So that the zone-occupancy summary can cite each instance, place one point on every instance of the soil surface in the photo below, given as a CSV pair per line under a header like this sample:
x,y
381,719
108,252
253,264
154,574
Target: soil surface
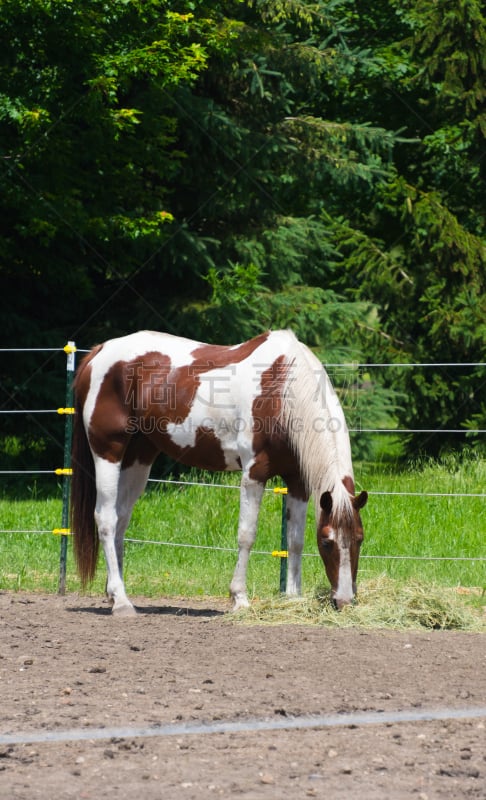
x,y
67,664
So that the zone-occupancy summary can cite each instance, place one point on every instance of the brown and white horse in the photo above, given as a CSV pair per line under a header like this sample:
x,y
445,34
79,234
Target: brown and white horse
x,y
265,407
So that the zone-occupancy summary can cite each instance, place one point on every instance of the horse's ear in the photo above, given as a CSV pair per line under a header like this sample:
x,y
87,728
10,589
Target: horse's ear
x,y
326,502
360,501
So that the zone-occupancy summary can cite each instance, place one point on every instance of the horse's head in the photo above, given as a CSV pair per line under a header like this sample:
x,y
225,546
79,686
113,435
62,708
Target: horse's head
x,y
339,537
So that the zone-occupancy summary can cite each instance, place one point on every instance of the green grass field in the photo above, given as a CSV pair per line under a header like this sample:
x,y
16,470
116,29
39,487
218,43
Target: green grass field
x,y
428,539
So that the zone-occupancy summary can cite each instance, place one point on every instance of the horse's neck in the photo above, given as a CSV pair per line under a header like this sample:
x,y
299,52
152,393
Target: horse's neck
x,y
315,423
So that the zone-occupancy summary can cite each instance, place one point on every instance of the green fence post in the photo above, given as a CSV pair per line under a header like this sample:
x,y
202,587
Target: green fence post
x,y
70,350
282,553
283,545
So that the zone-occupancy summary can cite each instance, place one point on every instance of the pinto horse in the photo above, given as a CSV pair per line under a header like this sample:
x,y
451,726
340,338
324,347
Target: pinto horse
x,y
265,407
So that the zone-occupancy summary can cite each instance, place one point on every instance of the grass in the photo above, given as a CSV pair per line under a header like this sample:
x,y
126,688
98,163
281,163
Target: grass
x,y
448,528
416,528
383,603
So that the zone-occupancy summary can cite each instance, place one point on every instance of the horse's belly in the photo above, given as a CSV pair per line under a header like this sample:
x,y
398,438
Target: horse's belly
x,y
210,443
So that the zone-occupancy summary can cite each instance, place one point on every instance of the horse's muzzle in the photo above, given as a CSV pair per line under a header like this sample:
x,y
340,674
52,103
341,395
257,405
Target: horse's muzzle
x,y
339,604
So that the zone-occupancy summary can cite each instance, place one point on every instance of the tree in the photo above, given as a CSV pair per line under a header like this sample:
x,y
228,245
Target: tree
x,y
87,129
420,254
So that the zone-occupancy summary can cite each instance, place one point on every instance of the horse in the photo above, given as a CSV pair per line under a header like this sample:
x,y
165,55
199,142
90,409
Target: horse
x,y
265,407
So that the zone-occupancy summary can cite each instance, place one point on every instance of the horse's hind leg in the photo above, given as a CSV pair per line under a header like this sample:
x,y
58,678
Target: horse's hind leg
x,y
106,516
133,480
251,493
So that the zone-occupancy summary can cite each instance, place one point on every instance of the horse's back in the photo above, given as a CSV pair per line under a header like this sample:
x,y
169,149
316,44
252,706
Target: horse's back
x,y
196,402
135,350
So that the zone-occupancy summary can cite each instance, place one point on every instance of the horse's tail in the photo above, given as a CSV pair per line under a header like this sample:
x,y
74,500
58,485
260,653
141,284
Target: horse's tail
x,y
83,492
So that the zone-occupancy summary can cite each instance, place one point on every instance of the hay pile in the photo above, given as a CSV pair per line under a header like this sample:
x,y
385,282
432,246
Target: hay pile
x,y
383,603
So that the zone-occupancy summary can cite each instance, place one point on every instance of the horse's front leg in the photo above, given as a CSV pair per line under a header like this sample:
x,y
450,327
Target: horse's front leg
x,y
251,493
106,516
296,517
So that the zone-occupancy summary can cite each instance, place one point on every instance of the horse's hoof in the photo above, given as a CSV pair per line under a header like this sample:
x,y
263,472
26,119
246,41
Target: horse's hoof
x,y
239,603
123,611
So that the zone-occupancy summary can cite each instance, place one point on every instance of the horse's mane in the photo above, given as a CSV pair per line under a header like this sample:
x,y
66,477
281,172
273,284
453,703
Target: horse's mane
x,y
315,424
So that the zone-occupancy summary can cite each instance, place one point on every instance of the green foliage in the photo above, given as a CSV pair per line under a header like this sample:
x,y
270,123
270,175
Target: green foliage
x,y
433,291
449,40
88,130
88,135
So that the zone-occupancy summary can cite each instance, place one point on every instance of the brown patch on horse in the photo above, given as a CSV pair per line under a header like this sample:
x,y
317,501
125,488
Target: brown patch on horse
x,y
326,544
349,484
157,393
211,356
273,455
139,449
136,401
108,431
358,501
207,452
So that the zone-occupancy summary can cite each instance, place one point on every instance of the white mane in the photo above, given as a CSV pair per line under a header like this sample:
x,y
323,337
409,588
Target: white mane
x,y
317,430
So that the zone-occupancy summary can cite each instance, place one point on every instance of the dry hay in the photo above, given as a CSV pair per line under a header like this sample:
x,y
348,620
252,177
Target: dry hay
x,y
382,603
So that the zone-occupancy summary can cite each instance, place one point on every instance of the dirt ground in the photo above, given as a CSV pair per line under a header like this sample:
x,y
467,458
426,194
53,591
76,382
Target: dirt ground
x,y
65,664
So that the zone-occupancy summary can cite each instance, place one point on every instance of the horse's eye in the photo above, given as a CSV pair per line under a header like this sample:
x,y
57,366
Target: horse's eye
x,y
327,543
